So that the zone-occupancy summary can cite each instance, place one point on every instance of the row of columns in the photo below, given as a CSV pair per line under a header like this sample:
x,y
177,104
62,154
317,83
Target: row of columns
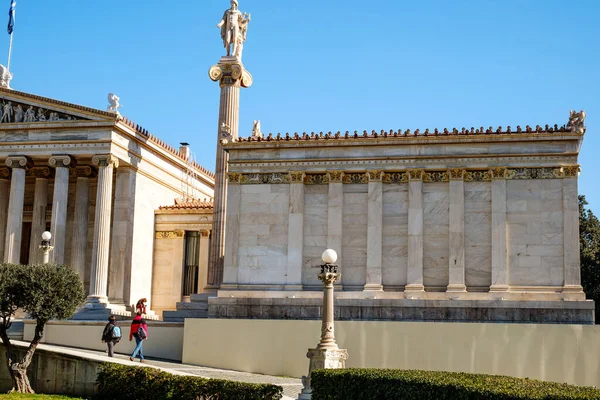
x,y
11,214
456,231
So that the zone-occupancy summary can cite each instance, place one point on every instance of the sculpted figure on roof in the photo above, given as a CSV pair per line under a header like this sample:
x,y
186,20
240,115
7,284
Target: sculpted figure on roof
x,y
233,29
577,121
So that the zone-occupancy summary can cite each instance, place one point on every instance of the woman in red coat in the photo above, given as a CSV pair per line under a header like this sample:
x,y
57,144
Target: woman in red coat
x,y
139,331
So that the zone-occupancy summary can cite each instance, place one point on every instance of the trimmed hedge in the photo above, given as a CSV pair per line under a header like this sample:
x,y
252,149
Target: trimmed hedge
x,y
121,382
383,384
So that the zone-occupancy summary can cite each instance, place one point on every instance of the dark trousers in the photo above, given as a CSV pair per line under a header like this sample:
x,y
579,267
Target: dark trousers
x,y
111,348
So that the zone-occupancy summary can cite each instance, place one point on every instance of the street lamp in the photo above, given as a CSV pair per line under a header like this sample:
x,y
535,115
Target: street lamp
x,y
327,355
45,246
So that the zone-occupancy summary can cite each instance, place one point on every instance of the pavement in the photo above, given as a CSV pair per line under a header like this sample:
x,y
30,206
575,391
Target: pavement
x,y
291,386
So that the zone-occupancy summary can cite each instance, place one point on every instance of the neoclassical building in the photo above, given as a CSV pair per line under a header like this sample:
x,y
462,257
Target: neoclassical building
x,y
97,182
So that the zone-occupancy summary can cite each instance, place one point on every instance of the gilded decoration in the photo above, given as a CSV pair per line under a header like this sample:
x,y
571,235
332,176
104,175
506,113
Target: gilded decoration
x,y
335,176
296,177
456,173
415,174
234,177
375,176
571,171
478,176
268,178
499,172
352,177
534,173
170,234
395,177
317,179
435,176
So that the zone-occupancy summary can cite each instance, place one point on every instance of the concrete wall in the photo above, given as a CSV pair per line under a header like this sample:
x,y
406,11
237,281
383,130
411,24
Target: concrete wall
x,y
165,338
561,353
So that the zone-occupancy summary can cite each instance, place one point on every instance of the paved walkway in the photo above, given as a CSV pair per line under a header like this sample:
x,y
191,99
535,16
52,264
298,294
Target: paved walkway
x,y
291,386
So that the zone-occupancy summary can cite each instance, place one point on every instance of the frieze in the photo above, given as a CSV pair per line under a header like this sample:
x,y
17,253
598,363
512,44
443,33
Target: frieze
x,y
15,112
170,234
335,176
480,175
234,177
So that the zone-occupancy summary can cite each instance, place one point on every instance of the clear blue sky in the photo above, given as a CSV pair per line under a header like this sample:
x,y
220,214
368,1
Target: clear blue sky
x,y
321,65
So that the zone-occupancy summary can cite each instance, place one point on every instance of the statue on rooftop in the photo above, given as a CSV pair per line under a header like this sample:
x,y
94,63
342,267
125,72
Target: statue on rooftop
x,y
113,101
576,121
256,129
233,29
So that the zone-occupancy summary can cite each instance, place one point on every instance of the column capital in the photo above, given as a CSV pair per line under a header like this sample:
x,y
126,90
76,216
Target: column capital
x,y
415,174
375,175
571,171
205,233
104,160
297,177
18,162
229,72
4,173
62,161
234,177
499,172
84,171
456,174
335,176
40,172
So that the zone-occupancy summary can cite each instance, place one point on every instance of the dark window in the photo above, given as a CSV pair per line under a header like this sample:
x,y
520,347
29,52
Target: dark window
x,y
190,269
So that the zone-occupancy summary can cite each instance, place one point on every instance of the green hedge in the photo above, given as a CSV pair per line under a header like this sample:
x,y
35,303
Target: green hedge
x,y
116,382
383,384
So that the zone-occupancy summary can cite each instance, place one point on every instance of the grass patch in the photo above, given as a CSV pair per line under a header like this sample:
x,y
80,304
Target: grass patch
x,y
21,396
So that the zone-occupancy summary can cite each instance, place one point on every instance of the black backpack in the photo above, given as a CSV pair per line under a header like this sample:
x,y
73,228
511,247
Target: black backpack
x,y
141,333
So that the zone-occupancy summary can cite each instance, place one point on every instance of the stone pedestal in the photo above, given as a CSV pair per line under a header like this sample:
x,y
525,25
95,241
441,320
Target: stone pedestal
x,y
321,359
231,75
14,223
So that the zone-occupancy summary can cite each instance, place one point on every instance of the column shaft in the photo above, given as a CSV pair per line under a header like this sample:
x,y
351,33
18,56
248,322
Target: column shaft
x,y
38,220
231,264
572,268
499,242
456,236
58,224
14,223
80,226
414,276
4,194
295,233
374,232
100,247
203,261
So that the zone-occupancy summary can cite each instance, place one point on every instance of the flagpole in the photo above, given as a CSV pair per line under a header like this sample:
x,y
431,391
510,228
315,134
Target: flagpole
x,y
9,52
11,22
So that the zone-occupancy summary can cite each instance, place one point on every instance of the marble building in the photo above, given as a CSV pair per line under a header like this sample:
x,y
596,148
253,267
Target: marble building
x,y
471,224
97,182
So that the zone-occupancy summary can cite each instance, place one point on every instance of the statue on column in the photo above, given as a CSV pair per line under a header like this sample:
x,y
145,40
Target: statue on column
x,y
233,29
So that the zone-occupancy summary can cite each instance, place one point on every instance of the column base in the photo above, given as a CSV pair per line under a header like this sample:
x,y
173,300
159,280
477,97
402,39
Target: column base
x,y
414,287
373,287
456,288
499,288
100,311
573,292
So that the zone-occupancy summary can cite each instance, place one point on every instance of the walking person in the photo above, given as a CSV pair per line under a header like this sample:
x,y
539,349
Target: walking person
x,y
111,335
139,331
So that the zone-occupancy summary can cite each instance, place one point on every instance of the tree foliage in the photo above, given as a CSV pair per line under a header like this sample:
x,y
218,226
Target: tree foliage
x,y
44,292
589,246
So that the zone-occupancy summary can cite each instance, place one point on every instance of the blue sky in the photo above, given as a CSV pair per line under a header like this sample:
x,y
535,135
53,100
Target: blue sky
x,y
321,65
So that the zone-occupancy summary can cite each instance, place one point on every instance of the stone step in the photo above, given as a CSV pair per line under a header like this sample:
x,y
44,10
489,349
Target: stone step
x,y
196,305
201,297
180,315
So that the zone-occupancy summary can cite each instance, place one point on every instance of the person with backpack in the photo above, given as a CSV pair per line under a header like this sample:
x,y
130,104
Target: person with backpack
x,y
111,335
139,331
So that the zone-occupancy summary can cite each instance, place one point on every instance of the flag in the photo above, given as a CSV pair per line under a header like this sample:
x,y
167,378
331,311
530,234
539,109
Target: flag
x,y
11,16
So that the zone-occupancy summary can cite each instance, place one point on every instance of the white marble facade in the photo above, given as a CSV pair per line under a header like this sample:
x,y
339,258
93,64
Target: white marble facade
x,y
94,179
480,216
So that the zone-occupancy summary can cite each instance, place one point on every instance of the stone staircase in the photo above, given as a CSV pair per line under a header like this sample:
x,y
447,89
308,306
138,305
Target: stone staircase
x,y
197,307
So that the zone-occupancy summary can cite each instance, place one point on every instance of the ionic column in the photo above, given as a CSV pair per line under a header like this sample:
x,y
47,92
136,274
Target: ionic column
x,y
80,221
335,220
4,193
14,223
374,231
499,242
295,232
231,265
58,224
38,218
414,275
231,75
572,269
100,246
456,232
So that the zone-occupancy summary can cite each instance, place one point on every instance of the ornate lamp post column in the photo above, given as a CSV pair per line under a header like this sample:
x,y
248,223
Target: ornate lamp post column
x,y
231,75
327,355
45,247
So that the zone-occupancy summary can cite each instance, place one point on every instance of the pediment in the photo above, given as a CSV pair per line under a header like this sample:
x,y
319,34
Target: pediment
x,y
24,108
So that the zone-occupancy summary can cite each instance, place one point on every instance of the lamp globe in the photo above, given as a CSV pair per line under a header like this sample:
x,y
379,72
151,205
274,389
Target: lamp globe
x,y
46,236
329,256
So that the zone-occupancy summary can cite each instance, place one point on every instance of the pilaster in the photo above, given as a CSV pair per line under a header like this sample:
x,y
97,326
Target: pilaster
x,y
14,223
38,218
231,265
58,224
295,232
572,269
499,241
335,209
456,232
99,274
80,222
414,276
4,194
203,260
374,231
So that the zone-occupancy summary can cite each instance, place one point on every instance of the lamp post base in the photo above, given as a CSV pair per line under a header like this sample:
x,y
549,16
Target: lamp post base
x,y
332,358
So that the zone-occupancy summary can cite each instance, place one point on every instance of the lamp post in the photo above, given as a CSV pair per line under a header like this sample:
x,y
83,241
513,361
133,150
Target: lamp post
x,y
327,355
45,246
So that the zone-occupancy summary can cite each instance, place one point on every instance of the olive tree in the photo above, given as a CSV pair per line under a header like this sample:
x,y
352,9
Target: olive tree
x,y
44,292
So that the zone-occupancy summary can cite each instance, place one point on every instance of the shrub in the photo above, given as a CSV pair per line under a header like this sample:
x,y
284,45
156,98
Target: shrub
x,y
116,382
383,384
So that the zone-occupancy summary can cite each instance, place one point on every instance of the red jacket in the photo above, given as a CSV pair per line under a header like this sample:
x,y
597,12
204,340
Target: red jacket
x,y
135,324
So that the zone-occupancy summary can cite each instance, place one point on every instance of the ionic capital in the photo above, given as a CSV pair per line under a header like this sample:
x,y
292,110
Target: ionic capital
x,y
84,171
40,172
415,174
18,162
104,160
297,177
375,176
335,176
456,174
4,173
62,161
499,172
230,74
